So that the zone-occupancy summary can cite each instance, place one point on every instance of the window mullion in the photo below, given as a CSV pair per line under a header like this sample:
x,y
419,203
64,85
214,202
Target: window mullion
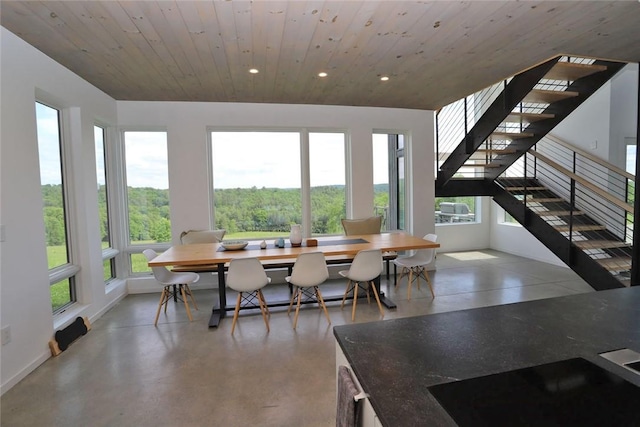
x,y
305,183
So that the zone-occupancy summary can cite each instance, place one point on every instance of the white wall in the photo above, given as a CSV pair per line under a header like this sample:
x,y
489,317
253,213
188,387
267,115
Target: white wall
x,y
516,240
27,75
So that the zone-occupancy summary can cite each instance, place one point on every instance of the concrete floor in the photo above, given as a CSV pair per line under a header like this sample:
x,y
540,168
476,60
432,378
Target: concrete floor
x,y
126,372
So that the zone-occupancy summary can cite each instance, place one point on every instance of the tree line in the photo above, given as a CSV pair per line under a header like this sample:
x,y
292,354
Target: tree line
x,y
236,210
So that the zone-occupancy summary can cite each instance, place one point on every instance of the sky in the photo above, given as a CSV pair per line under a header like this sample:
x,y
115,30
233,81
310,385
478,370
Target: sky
x,y
631,158
48,145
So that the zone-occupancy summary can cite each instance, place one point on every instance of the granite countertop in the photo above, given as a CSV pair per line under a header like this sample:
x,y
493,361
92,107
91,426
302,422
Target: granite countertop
x,y
396,360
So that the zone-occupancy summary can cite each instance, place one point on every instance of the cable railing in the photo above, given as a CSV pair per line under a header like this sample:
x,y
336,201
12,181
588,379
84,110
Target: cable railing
x,y
455,120
589,201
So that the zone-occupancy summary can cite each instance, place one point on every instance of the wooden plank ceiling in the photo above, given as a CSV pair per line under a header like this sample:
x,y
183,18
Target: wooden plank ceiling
x,y
432,52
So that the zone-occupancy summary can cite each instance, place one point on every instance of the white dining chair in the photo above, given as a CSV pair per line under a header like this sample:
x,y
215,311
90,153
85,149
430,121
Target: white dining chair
x,y
366,266
247,277
415,266
173,283
309,271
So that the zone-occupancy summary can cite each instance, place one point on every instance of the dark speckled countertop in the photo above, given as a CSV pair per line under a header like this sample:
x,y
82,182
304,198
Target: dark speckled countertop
x,y
396,360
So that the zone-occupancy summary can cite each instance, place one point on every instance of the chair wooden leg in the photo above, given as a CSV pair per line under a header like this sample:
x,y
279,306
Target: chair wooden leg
x,y
409,284
191,296
263,308
324,306
186,303
168,295
162,301
355,301
346,292
235,313
375,293
291,301
295,318
426,275
403,273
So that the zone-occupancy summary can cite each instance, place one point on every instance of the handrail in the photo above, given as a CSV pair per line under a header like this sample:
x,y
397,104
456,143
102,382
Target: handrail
x,y
590,156
583,182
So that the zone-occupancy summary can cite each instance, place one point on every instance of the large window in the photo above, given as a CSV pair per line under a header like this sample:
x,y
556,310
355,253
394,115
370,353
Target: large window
x,y
389,180
56,221
147,183
108,254
454,210
265,181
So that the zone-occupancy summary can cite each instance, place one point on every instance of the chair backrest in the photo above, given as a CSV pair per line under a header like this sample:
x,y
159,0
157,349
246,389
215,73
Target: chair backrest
x,y
246,274
369,225
202,236
310,269
366,266
162,274
426,256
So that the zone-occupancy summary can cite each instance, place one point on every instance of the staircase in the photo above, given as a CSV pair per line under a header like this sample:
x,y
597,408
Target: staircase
x,y
486,147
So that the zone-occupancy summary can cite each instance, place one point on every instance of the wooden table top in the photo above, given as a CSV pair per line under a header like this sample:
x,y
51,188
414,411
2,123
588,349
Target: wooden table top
x,y
210,253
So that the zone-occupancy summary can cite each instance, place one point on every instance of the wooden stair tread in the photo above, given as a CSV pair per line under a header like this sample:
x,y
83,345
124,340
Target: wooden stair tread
x,y
497,151
544,199
581,227
516,117
570,71
548,96
481,165
525,188
613,264
510,135
558,213
600,244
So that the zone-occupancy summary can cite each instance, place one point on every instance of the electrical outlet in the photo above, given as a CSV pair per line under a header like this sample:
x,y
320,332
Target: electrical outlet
x,y
6,335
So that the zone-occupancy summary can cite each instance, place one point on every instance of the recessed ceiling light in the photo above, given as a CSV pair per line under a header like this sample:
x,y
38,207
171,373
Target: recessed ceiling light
x,y
384,78
323,74
254,71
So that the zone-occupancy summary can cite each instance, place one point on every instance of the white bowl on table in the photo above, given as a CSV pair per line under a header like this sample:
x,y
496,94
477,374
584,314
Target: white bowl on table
x,y
234,245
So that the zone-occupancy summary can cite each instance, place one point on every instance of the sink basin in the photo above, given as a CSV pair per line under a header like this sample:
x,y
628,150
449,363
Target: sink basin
x,y
624,357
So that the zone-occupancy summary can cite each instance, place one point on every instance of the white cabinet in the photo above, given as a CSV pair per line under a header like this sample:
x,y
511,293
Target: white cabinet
x,y
368,417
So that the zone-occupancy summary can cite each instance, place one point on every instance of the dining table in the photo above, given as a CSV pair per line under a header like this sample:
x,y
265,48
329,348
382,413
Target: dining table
x,y
213,257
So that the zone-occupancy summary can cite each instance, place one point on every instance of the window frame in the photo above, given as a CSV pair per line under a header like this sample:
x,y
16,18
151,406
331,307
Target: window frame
x,y
109,253
130,250
396,155
69,270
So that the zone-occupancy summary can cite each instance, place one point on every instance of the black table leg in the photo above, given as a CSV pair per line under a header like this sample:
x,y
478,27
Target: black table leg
x,y
218,313
383,298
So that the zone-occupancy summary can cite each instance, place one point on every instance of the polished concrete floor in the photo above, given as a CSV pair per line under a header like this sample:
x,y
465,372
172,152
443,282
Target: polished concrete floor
x,y
126,372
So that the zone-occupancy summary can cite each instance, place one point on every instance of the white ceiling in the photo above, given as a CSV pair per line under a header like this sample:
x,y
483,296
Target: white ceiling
x,y
433,52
